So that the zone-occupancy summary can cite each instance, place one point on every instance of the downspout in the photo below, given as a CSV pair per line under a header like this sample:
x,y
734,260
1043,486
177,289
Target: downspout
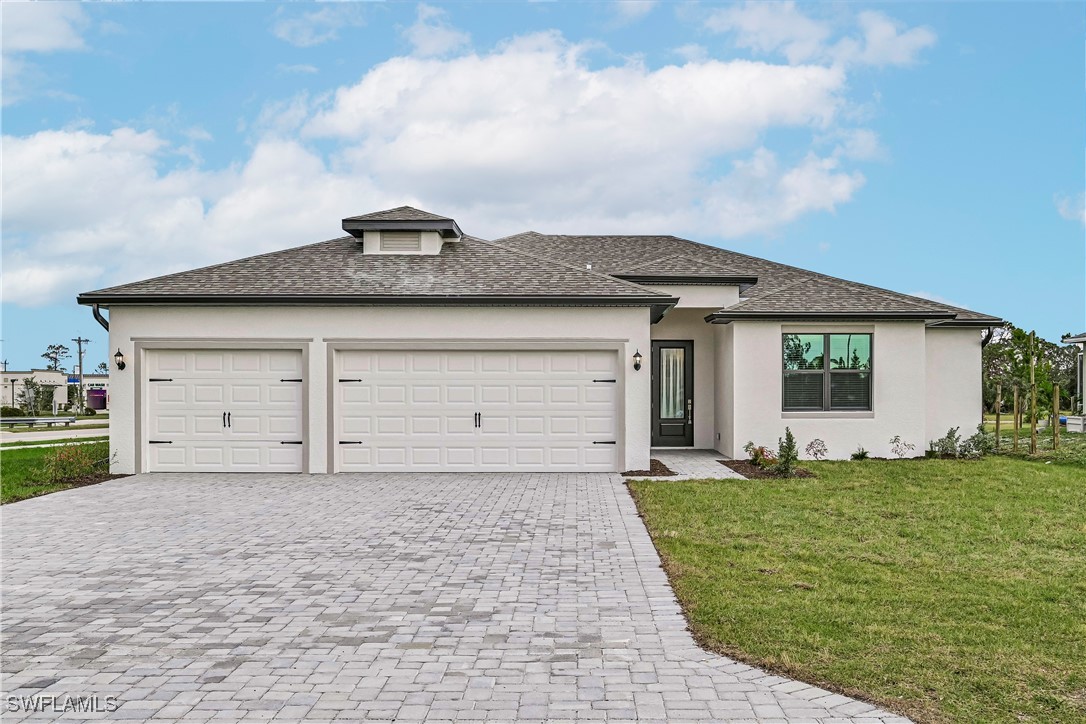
x,y
988,334
99,318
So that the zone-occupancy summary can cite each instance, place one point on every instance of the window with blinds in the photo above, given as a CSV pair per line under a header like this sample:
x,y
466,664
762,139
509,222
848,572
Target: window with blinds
x,y
826,372
401,241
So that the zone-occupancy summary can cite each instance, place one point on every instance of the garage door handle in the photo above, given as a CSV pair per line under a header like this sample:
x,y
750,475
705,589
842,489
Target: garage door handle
x,y
350,442
160,379
229,421
290,442
224,419
604,380
160,442
291,380
343,380
603,442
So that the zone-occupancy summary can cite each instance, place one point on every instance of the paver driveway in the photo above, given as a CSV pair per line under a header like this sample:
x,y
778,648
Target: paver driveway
x,y
364,596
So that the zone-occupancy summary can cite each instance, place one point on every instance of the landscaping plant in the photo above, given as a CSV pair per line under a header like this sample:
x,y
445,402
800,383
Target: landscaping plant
x,y
760,455
787,455
860,454
817,450
899,447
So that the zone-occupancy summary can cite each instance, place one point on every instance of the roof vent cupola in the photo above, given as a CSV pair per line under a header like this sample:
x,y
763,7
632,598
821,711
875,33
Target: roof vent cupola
x,y
403,230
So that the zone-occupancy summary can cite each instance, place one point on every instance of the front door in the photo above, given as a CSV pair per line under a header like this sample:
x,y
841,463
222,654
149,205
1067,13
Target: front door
x,y
672,394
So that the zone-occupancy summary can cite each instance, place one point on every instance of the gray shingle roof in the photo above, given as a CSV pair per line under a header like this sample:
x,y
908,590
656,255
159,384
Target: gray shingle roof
x,y
780,289
400,213
338,269
679,265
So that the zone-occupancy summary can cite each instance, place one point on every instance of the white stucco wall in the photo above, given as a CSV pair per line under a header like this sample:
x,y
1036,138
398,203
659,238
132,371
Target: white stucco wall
x,y
954,394
899,394
689,324
317,328
709,297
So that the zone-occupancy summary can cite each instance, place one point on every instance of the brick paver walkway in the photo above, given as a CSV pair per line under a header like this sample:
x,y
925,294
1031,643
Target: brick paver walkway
x,y
350,597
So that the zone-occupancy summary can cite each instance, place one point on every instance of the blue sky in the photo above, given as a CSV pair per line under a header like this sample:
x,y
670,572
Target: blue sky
x,y
931,148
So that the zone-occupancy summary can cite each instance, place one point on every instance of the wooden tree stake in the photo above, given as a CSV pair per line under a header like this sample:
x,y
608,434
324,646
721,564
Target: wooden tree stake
x,y
1014,420
999,405
1032,395
1055,417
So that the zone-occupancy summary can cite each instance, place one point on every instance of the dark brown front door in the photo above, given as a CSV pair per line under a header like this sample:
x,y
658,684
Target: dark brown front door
x,y
673,393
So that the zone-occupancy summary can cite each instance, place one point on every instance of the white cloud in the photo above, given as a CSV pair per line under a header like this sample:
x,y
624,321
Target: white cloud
x,y
781,27
768,27
1072,208
692,52
631,10
316,26
431,35
297,68
42,27
526,136
36,28
98,210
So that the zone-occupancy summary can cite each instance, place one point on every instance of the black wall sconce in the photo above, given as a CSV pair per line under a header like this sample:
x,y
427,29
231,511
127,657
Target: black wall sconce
x,y
637,360
119,359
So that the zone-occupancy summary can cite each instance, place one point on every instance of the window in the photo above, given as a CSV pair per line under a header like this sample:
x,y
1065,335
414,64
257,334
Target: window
x,y
827,372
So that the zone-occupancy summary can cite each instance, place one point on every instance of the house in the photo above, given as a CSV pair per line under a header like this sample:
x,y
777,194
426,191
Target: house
x,y
54,383
410,345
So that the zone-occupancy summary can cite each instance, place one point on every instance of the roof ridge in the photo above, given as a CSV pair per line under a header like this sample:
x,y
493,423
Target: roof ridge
x,y
773,293
221,263
601,275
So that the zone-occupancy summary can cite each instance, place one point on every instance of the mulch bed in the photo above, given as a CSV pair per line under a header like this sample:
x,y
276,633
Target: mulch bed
x,y
749,470
656,470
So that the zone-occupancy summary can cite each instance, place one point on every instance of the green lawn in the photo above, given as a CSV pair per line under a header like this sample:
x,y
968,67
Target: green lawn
x,y
38,443
21,476
946,590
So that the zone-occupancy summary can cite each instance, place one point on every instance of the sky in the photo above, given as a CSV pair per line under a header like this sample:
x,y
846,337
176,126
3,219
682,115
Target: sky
x,y
931,148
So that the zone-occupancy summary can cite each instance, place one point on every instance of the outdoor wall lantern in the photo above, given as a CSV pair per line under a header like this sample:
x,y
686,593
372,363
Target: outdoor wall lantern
x,y
637,360
119,359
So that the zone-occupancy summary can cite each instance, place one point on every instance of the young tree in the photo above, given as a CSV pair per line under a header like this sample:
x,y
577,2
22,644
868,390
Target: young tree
x,y
54,354
1006,361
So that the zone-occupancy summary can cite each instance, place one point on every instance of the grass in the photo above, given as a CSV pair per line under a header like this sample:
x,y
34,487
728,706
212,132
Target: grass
x,y
946,590
22,475
23,428
38,443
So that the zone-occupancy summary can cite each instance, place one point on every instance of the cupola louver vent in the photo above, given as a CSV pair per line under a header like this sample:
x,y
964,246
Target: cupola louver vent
x,y
401,241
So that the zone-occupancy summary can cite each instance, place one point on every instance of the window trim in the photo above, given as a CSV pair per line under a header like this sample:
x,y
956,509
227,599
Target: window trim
x,y
827,371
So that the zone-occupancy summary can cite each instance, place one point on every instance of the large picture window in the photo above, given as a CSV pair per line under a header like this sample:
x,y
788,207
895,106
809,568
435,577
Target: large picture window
x,y
827,372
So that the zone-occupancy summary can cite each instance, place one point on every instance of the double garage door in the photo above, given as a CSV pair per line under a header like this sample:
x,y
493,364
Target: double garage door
x,y
392,410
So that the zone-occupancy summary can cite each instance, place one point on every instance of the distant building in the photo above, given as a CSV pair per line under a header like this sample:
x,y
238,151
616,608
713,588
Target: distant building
x,y
12,386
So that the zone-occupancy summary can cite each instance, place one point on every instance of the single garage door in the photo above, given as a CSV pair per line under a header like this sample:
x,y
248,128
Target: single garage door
x,y
224,410
484,410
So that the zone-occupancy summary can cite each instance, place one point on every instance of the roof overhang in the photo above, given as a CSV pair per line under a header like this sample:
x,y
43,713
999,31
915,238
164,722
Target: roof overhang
x,y
446,227
1074,339
726,317
659,305
975,323
743,282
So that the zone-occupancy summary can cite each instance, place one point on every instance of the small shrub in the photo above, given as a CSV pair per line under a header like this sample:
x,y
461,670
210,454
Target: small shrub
x,y
816,449
899,447
66,462
977,445
787,455
760,455
90,411
860,454
6,411
949,445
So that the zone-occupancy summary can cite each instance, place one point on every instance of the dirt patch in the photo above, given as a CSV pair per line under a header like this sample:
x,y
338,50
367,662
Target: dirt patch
x,y
749,470
656,470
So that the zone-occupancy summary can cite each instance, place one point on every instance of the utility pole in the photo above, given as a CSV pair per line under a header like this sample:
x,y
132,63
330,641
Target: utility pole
x,y
79,345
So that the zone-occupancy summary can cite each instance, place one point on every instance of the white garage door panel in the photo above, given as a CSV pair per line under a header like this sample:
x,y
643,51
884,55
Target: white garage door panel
x,y
189,391
539,410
